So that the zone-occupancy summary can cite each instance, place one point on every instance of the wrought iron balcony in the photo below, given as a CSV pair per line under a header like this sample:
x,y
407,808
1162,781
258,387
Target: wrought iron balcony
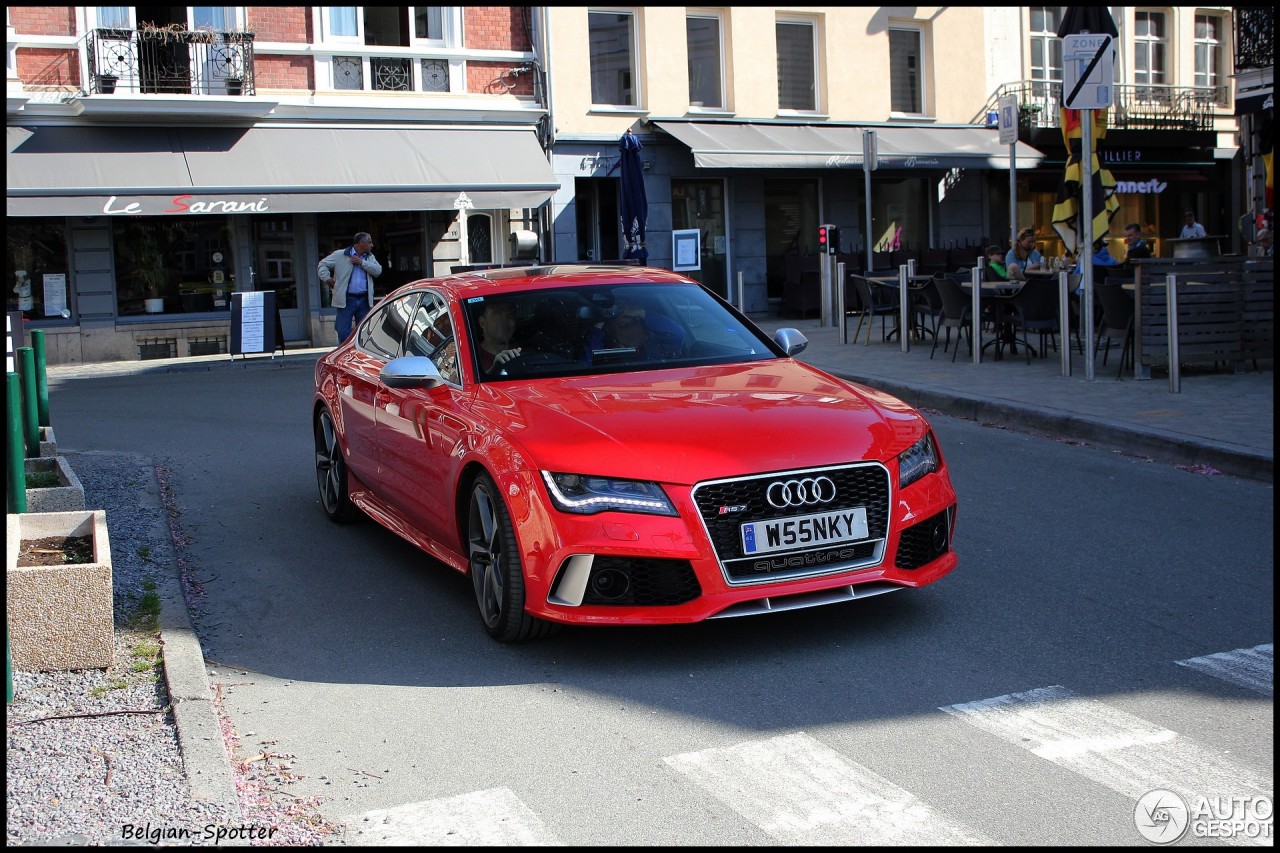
x,y
1135,107
165,60
1255,31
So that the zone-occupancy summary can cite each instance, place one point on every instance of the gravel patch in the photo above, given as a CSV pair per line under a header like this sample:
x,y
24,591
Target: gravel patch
x,y
93,756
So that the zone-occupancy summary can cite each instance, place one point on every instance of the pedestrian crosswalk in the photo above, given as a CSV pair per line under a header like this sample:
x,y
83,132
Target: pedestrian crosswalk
x,y
1251,668
797,790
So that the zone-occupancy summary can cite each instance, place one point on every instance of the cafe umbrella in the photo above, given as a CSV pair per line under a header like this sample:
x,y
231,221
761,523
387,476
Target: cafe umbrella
x,y
634,203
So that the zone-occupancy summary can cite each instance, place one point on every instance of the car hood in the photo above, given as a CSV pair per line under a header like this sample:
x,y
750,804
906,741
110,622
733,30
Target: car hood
x,y
691,424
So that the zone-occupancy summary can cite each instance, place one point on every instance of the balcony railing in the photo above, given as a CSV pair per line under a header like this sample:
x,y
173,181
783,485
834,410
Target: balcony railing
x,y
1255,31
169,61
1134,107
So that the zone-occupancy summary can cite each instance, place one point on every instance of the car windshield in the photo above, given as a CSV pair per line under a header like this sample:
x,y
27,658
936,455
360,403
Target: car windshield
x,y
610,328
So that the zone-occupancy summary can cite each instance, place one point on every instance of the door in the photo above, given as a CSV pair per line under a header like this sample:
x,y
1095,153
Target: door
x,y
274,268
700,204
790,227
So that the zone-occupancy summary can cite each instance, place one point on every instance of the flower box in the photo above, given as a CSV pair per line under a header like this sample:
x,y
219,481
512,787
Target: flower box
x,y
66,496
48,443
59,616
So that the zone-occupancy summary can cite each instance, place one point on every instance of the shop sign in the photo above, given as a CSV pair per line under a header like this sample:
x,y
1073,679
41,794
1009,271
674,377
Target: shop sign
x,y
181,204
1152,187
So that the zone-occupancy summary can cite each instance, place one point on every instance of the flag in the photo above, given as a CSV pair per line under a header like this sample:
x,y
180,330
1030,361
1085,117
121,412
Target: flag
x,y
1066,210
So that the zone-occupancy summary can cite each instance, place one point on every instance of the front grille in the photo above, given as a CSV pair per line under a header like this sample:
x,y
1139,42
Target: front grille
x,y
925,542
863,485
641,582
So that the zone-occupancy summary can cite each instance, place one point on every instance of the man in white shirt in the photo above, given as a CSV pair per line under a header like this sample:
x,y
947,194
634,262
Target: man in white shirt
x,y
1190,227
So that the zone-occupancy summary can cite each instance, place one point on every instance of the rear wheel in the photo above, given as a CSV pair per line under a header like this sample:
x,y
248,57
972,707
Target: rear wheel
x,y
497,573
331,472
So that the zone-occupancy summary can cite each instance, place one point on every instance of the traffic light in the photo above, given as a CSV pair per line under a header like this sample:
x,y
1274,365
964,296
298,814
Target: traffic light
x,y
828,240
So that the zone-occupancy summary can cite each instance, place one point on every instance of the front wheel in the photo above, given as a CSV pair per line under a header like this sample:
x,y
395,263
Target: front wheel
x,y
497,573
331,472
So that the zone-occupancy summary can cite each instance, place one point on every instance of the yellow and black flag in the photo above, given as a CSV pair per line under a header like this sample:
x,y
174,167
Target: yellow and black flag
x,y
1066,210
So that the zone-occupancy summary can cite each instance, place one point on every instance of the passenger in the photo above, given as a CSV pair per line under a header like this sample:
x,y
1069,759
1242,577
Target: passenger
x,y
497,323
626,329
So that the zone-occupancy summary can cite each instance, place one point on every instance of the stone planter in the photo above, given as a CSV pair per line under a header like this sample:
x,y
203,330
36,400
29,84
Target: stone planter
x,y
48,443
60,617
66,496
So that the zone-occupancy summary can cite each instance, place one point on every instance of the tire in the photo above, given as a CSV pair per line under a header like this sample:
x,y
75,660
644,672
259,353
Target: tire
x,y
331,472
497,574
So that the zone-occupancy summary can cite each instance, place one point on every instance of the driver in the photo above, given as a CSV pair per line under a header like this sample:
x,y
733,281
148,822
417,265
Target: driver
x,y
497,324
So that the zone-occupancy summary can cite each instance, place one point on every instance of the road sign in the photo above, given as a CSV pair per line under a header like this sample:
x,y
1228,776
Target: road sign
x,y
1008,120
1088,71
870,151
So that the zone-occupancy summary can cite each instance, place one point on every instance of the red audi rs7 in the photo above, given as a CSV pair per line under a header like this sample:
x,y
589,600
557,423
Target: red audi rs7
x,y
607,445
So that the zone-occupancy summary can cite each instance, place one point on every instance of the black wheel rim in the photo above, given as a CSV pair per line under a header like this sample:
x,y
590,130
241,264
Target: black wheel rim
x,y
330,471
486,556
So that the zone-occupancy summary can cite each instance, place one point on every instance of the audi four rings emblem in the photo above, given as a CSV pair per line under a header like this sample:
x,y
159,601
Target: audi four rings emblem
x,y
796,493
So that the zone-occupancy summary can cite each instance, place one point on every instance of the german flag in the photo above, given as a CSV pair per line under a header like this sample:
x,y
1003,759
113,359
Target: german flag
x,y
1066,210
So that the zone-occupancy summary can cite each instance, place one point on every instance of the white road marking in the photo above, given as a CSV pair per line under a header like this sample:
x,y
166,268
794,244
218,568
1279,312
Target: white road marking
x,y
1253,669
801,792
495,817
1125,753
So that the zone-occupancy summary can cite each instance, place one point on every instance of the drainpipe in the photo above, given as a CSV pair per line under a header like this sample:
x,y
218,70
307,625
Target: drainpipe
x,y
542,55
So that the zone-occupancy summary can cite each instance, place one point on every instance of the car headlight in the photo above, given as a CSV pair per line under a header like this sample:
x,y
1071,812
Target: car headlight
x,y
917,460
584,494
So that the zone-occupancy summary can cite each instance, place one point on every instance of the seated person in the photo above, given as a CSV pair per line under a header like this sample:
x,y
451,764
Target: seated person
x,y
1024,257
629,327
995,269
1104,264
1137,247
497,324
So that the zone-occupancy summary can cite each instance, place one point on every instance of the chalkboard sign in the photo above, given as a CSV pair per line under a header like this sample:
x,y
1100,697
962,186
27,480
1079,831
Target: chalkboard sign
x,y
255,323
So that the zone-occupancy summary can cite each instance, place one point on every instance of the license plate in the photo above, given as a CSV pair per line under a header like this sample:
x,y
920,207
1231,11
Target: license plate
x,y
822,528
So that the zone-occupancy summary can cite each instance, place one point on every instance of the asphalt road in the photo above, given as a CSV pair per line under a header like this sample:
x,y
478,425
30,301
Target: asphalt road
x,y
1085,577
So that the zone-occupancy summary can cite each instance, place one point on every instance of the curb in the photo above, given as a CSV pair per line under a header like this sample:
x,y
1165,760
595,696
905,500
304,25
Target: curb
x,y
1157,444
204,754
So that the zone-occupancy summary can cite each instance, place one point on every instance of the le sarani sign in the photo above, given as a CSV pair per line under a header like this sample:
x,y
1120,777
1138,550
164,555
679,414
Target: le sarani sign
x,y
183,204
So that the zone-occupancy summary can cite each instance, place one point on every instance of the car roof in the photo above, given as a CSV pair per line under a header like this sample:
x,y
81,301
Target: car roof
x,y
546,276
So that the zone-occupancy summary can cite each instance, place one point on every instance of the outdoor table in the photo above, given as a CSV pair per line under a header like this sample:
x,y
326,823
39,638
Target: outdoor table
x,y
914,283
998,294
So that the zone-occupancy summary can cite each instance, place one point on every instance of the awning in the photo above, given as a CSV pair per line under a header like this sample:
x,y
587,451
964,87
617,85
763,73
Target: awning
x,y
727,145
91,171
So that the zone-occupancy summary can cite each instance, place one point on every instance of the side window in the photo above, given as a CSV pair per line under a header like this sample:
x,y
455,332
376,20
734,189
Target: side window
x,y
383,331
431,335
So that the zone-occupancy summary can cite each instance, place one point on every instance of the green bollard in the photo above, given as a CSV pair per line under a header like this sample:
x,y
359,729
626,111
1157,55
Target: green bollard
x,y
42,377
17,478
30,426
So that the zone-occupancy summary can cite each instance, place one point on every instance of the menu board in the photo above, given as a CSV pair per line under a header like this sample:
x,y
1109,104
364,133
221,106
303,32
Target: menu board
x,y
255,323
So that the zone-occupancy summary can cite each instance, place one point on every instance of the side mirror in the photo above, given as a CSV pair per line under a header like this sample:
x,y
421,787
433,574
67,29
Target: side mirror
x,y
412,371
791,340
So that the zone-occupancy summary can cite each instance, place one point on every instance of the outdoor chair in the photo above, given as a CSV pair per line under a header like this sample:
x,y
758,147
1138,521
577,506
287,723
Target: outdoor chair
x,y
1035,309
871,306
1117,322
957,313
